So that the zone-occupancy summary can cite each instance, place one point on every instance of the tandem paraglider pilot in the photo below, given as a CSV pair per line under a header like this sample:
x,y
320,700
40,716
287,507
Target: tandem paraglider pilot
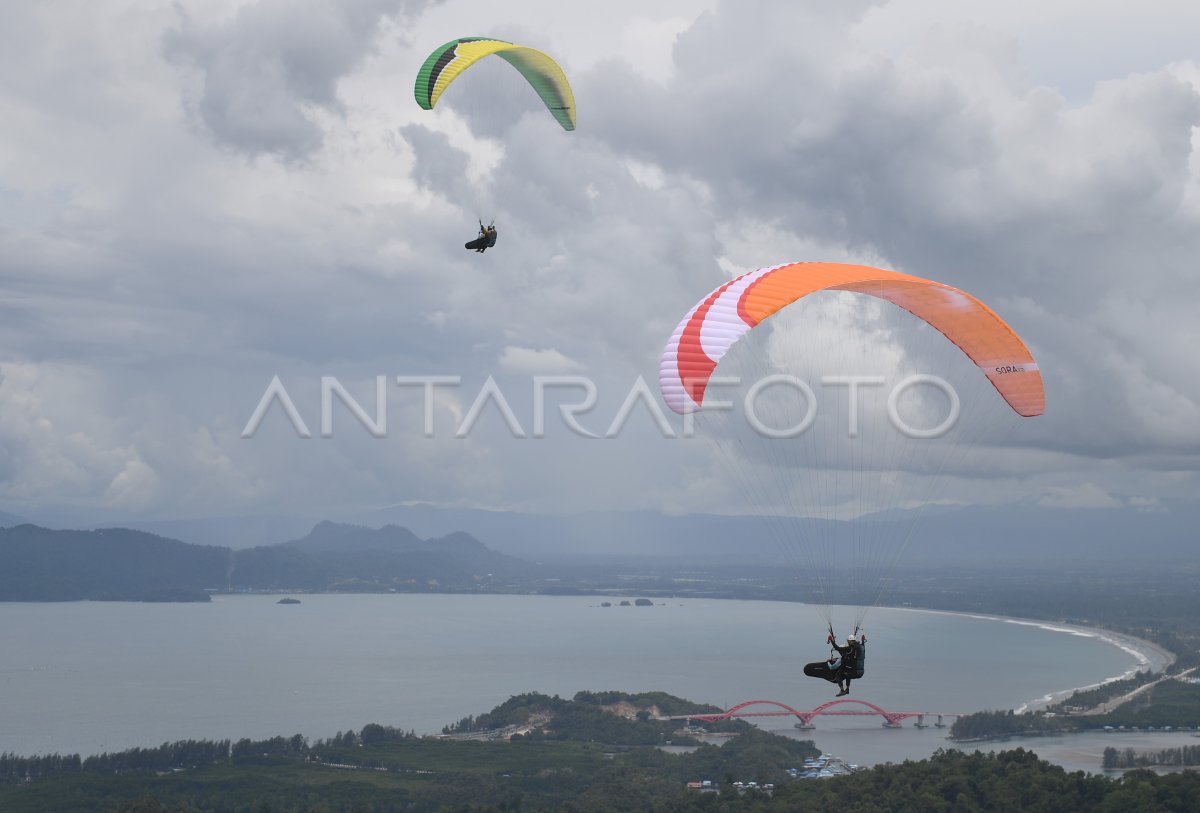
x,y
846,663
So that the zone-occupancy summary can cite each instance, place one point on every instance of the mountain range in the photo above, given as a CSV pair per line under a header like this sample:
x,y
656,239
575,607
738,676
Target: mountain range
x,y
41,564
1009,534
428,547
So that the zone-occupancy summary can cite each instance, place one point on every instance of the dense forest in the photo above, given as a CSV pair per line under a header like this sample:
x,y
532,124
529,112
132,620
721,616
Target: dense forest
x,y
414,774
578,753
592,754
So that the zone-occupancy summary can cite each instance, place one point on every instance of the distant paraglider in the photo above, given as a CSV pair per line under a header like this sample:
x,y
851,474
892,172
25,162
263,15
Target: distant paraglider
x,y
448,61
486,238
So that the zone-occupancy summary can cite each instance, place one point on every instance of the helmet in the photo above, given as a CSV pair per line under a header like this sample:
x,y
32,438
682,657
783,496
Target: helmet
x,y
850,639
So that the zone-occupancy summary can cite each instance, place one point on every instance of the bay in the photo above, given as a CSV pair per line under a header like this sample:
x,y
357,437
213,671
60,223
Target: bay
x,y
89,677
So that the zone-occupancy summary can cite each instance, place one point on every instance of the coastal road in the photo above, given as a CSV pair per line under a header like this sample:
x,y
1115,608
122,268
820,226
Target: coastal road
x,y
1116,702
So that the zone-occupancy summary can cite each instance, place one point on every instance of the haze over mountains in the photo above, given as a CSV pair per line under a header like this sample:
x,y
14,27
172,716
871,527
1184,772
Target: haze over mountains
x,y
315,549
40,564
940,534
8,520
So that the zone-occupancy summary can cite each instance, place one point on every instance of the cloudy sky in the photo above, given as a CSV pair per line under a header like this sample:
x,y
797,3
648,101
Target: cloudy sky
x,y
197,197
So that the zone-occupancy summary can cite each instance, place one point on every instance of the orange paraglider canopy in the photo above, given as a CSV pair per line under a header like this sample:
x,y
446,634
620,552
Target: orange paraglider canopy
x,y
729,312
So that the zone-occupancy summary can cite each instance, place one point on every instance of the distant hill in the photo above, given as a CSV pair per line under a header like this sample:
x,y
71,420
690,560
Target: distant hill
x,y
39,564
1013,534
230,532
326,537
346,557
8,520
419,544
330,537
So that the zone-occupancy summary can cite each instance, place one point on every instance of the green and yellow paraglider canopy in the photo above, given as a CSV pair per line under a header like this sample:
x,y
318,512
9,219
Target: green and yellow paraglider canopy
x,y
445,64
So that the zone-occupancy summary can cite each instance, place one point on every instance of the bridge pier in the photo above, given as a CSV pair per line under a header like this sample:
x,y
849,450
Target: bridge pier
x,y
939,723
920,723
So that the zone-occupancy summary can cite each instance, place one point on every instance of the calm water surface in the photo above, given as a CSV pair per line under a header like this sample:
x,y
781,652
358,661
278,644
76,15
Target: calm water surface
x,y
94,676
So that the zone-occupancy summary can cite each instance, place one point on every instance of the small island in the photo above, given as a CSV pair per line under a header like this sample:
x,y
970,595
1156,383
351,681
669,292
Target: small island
x,y
288,600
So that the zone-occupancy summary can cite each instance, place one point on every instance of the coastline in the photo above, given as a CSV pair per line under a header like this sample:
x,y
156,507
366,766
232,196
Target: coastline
x,y
264,644
1148,654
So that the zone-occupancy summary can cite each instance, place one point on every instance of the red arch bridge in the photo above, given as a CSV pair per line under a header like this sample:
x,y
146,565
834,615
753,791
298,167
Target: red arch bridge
x,y
847,707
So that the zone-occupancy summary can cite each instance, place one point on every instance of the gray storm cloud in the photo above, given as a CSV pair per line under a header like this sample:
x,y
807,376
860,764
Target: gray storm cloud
x,y
265,69
199,200
1059,215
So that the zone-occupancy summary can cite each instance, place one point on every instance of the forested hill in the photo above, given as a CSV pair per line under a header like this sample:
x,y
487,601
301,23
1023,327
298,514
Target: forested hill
x,y
331,538
355,558
39,564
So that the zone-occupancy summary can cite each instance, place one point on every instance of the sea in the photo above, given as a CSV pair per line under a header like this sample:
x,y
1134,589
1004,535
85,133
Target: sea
x,y
91,677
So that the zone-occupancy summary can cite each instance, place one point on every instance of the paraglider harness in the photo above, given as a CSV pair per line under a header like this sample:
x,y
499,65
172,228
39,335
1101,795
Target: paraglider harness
x,y
486,238
836,669
855,669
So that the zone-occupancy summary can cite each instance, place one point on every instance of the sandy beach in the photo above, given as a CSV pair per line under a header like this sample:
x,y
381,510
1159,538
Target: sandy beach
x,y
1147,654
